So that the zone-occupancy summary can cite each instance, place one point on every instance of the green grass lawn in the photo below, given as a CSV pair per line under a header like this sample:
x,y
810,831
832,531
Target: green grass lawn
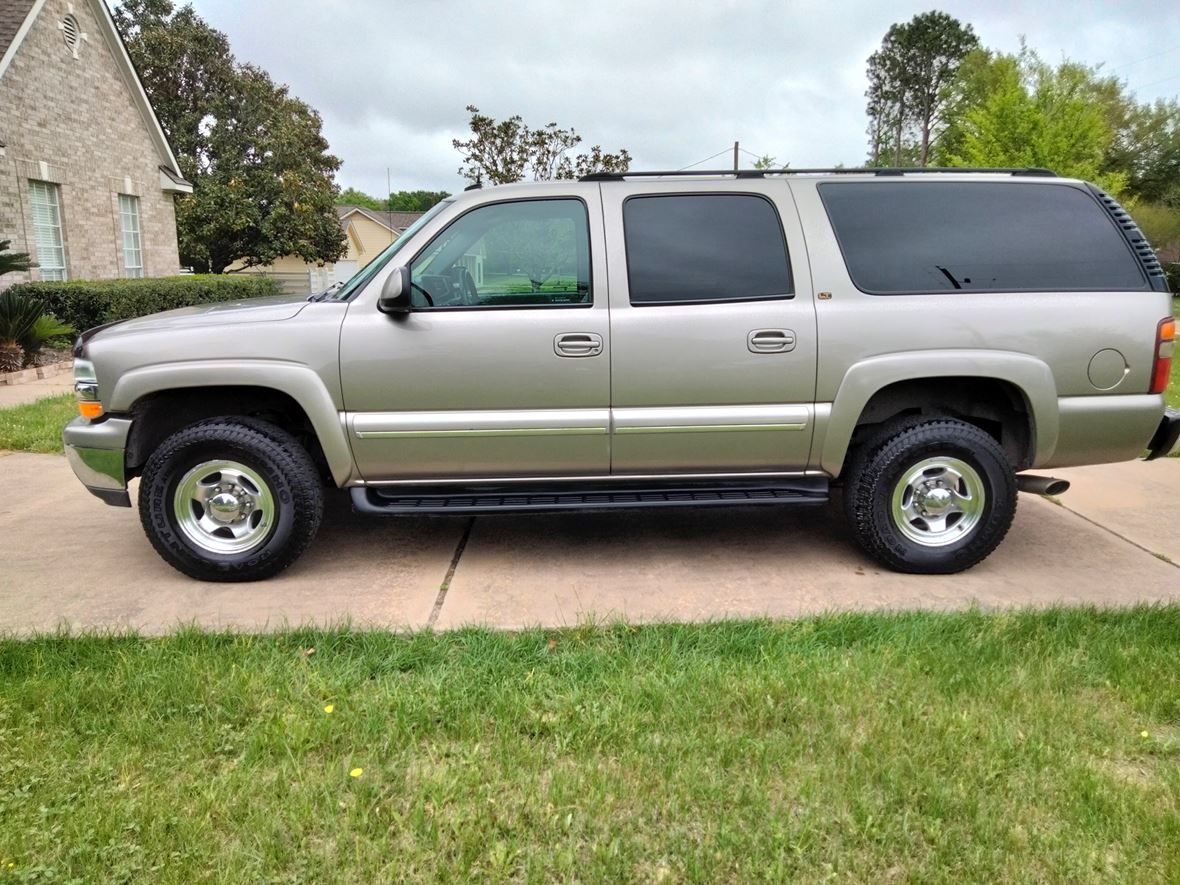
x,y
37,426
921,747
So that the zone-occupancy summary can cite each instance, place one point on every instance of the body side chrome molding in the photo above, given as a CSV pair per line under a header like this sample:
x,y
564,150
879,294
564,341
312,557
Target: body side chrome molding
x,y
603,478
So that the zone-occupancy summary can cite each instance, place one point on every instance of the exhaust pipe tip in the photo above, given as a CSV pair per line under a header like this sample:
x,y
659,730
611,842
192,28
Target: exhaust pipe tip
x,y
1042,485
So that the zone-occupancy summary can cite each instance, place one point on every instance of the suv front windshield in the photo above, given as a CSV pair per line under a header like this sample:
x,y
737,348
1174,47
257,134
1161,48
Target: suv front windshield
x,y
357,281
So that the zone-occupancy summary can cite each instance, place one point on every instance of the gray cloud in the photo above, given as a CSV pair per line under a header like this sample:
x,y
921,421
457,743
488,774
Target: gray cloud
x,y
672,82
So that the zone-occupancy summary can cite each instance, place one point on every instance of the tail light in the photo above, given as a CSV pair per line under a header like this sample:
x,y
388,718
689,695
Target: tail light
x,y
1165,343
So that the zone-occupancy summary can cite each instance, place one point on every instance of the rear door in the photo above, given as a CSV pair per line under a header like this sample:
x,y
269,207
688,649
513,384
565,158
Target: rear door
x,y
712,326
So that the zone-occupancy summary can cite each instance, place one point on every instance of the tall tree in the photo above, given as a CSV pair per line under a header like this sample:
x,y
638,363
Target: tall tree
x,y
504,151
1029,113
414,201
399,201
908,80
263,180
350,196
1146,146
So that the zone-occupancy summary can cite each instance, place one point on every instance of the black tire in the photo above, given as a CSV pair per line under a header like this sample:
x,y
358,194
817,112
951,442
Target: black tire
x,y
291,484
967,537
858,457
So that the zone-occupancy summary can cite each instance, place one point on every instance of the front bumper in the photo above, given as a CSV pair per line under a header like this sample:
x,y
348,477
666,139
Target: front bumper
x,y
1167,436
95,450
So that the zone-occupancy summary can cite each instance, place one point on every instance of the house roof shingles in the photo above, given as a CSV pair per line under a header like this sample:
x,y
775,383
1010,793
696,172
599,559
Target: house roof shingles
x,y
397,221
12,15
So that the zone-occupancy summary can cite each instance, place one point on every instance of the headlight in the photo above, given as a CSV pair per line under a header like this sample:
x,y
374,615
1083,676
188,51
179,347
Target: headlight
x,y
86,389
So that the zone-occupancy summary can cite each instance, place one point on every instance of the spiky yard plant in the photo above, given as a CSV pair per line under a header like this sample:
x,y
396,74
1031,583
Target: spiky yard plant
x,y
44,328
11,262
18,316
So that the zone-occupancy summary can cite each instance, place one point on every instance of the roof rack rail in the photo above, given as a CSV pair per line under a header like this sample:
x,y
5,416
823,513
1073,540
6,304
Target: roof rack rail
x,y
872,170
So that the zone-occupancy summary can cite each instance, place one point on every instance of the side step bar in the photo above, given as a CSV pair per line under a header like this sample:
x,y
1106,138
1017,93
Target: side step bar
x,y
404,502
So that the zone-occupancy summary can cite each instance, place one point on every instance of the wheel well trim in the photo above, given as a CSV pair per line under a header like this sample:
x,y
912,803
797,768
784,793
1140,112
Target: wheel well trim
x,y
1030,376
297,381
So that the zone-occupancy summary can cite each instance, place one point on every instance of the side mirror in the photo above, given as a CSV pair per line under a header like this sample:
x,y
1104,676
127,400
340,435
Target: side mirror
x,y
395,294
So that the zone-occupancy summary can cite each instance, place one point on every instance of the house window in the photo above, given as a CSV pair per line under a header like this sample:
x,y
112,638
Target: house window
x,y
45,200
132,245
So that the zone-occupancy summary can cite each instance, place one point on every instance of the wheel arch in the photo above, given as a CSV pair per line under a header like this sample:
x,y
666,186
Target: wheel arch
x,y
161,400
1012,396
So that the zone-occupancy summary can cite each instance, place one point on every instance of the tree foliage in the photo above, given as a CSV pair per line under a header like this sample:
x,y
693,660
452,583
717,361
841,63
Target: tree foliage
x,y
908,81
350,196
414,201
508,150
1146,146
1016,110
399,201
263,180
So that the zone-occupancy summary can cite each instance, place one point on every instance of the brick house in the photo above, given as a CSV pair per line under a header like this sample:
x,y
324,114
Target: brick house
x,y
87,178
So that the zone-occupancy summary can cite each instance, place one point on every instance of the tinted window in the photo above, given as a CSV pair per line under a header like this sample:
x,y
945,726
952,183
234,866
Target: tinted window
x,y
704,247
982,236
529,253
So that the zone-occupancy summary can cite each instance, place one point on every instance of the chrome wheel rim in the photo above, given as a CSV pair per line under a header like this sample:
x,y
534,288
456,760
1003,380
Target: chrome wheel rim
x,y
223,507
938,501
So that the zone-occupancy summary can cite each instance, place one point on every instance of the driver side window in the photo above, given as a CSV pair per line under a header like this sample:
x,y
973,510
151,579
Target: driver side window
x,y
531,253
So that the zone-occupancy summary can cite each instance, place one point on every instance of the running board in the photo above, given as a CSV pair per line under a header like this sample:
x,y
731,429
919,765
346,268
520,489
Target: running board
x,y
402,502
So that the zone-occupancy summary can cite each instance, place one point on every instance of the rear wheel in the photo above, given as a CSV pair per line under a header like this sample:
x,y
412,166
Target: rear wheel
x,y
934,498
230,499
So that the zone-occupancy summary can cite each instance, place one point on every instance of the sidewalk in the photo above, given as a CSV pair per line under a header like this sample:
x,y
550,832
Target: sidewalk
x,y
30,391
68,559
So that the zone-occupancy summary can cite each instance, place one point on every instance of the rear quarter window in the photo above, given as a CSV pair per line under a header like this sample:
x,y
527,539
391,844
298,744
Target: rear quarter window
x,y
934,237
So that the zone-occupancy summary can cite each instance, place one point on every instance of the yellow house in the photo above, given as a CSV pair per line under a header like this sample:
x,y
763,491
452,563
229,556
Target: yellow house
x,y
367,232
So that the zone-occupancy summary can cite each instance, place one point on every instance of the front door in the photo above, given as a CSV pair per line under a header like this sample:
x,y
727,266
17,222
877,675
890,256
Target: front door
x,y
713,332
502,369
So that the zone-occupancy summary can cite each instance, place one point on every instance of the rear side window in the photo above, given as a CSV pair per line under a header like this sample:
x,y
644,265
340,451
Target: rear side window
x,y
925,237
693,248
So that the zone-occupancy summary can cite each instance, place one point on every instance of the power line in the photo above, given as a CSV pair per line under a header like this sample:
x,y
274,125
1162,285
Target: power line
x,y
706,160
1145,58
1154,82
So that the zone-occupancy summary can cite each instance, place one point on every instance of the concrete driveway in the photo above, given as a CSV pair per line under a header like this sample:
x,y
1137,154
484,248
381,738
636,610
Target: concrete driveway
x,y
67,559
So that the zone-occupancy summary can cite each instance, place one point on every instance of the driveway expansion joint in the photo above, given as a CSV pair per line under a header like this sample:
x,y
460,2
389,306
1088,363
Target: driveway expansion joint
x,y
1160,556
446,583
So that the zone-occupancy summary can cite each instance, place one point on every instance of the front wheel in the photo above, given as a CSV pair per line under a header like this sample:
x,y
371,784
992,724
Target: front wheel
x,y
936,498
230,499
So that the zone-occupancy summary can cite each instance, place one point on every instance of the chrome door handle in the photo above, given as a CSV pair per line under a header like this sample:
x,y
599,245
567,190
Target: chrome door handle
x,y
577,344
770,341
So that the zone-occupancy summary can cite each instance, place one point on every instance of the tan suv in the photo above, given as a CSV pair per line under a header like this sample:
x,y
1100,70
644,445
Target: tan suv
x,y
919,337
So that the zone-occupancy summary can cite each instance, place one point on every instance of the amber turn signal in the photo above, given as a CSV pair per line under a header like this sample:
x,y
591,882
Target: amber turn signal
x,y
90,410
1165,342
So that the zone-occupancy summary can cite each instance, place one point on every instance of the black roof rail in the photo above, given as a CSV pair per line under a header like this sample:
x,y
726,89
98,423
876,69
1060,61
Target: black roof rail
x,y
872,170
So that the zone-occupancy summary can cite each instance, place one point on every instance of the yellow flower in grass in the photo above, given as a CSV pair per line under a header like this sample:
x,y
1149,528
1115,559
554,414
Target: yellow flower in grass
x,y
356,772
329,708
1144,734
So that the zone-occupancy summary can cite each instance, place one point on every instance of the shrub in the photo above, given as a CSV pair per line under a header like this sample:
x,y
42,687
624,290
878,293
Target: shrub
x,y
1172,273
18,315
46,328
85,304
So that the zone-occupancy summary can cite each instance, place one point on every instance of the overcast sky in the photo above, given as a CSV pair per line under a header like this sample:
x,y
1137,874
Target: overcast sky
x,y
673,82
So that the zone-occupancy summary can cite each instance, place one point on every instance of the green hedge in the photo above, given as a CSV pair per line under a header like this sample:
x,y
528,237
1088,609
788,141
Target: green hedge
x,y
88,303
